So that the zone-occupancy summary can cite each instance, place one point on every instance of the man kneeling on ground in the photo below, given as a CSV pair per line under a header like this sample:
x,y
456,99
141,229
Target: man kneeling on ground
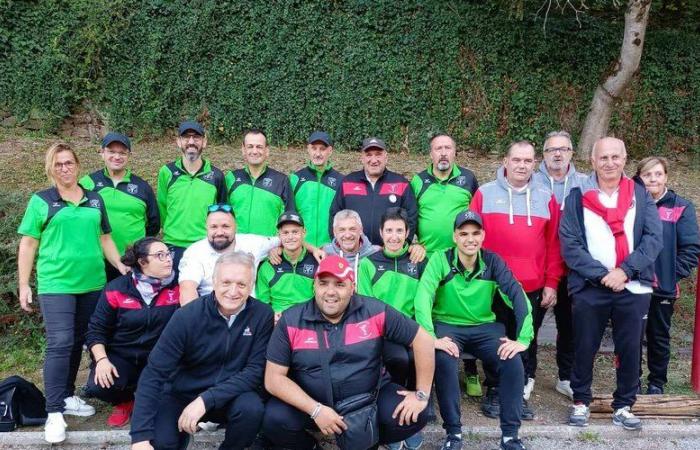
x,y
212,352
328,350
457,291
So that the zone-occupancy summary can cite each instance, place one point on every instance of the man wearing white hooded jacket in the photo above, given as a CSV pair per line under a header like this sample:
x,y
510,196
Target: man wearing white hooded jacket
x,y
521,220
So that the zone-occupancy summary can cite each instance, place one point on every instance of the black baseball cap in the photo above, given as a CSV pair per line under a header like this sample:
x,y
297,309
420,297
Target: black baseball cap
x,y
321,136
290,217
372,142
116,137
468,216
190,125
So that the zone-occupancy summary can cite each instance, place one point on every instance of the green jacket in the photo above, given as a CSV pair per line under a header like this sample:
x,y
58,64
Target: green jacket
x,y
392,278
183,200
258,202
287,283
131,206
439,202
313,192
449,294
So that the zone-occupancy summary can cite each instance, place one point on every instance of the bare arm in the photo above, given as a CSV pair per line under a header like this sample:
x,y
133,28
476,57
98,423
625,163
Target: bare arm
x,y
424,354
111,253
188,292
25,260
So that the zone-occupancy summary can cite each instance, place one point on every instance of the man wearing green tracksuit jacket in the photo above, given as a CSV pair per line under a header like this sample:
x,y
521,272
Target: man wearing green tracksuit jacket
x,y
186,188
292,280
455,303
442,191
257,192
390,276
314,188
129,199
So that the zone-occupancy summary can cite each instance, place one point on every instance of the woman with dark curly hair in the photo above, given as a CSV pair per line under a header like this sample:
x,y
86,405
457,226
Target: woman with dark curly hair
x,y
128,320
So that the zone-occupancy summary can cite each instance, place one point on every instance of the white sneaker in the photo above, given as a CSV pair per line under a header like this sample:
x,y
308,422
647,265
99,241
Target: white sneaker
x,y
208,426
564,388
529,387
55,428
76,406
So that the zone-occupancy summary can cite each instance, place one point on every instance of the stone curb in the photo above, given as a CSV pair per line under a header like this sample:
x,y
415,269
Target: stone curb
x,y
121,437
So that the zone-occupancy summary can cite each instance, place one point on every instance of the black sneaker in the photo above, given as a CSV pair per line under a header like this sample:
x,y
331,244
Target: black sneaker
x,y
513,444
452,442
653,389
490,405
527,413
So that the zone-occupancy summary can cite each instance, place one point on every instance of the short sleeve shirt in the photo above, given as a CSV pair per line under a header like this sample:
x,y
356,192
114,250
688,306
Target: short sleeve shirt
x,y
198,261
69,258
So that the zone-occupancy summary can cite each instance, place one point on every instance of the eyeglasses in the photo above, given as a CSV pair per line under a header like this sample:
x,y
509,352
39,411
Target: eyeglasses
x,y
163,256
68,165
557,149
224,207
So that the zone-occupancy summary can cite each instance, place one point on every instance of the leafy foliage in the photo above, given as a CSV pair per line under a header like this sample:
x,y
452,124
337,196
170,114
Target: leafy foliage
x,y
402,70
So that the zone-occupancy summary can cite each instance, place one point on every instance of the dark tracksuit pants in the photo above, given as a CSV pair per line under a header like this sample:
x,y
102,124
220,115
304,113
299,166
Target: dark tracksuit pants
x,y
482,341
242,417
565,331
658,334
592,308
124,385
538,313
285,426
66,318
178,252
398,361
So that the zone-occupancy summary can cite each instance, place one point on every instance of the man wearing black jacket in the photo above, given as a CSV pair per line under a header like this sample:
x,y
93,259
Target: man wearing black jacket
x,y
213,354
372,190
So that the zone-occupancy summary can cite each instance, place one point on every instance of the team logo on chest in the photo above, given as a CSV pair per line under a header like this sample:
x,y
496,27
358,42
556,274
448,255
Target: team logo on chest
x,y
307,269
99,184
267,182
56,205
393,198
381,268
94,203
461,180
412,269
208,176
132,188
331,181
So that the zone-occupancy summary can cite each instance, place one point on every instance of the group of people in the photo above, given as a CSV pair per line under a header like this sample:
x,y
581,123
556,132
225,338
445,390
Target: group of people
x,y
277,306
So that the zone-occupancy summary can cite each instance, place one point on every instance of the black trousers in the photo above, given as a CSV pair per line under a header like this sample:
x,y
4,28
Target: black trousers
x,y
286,427
538,313
658,334
482,341
565,331
398,361
124,386
593,307
177,256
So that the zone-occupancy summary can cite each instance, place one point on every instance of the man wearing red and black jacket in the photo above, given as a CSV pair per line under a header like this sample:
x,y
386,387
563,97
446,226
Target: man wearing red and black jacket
x,y
213,355
348,331
372,190
521,220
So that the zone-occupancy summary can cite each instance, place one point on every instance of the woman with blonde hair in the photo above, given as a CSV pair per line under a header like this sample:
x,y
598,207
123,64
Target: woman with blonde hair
x,y
677,259
66,230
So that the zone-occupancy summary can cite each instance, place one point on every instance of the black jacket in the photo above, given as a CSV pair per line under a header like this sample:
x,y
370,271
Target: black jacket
x,y
125,324
639,264
681,247
390,190
303,340
201,356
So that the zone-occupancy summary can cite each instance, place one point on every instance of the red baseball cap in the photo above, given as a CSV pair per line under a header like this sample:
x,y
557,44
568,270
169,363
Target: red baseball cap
x,y
337,267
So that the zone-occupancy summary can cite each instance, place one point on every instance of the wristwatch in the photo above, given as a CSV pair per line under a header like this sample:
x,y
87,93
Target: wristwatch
x,y
422,396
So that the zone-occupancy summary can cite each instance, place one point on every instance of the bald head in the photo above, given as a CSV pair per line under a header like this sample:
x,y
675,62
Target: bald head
x,y
606,143
608,158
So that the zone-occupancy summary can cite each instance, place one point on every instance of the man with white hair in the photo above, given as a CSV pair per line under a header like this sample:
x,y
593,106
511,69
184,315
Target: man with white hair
x,y
349,240
215,348
610,237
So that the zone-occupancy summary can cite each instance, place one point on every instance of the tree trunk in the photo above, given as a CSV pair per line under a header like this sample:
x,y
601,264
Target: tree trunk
x,y
616,81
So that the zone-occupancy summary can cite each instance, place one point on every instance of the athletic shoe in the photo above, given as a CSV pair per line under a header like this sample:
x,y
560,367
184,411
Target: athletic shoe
x,y
490,405
579,415
564,388
653,389
414,442
513,444
208,426
527,412
529,387
76,406
472,385
121,414
622,417
452,442
55,428
394,446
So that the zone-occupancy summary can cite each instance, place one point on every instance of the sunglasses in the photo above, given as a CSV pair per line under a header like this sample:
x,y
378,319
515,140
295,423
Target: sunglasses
x,y
220,207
